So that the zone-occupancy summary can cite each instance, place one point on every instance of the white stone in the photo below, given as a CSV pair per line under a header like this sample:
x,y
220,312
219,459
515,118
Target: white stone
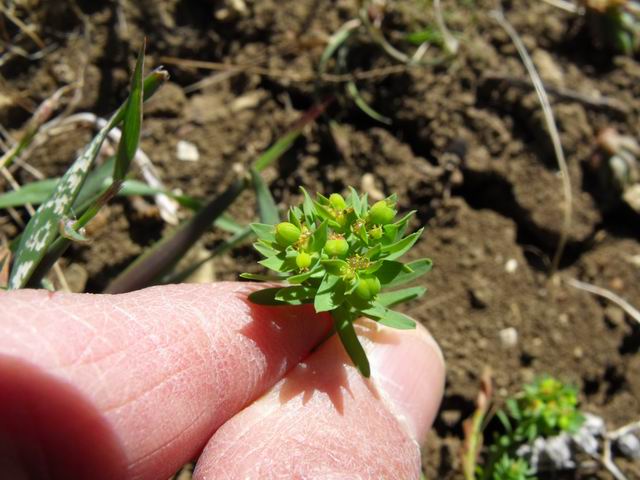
x,y
187,151
511,266
629,445
508,337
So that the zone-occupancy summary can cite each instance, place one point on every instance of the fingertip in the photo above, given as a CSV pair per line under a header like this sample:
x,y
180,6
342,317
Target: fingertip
x,y
408,371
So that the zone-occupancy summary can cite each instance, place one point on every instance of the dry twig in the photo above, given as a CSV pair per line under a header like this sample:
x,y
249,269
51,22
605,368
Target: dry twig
x,y
498,15
609,295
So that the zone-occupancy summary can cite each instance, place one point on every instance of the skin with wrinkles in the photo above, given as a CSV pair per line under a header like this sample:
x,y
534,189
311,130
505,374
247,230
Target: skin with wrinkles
x,y
135,385
156,364
326,421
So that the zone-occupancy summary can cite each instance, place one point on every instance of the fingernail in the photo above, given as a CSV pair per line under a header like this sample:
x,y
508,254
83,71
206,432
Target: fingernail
x,y
407,368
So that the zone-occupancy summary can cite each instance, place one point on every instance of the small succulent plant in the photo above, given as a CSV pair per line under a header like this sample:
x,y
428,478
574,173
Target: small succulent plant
x,y
543,409
341,255
509,468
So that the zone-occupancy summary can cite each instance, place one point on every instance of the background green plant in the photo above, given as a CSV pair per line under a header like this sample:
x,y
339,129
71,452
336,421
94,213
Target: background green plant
x,y
544,408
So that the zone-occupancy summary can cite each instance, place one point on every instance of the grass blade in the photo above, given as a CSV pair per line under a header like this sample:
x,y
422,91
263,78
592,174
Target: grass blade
x,y
131,123
34,193
42,229
285,142
267,208
234,241
335,41
361,103
156,262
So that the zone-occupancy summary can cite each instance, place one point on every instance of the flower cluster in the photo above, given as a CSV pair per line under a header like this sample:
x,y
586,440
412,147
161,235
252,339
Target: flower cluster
x,y
340,255
549,406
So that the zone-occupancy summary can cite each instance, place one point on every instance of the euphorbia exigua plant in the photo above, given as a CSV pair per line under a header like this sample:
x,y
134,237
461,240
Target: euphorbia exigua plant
x,y
341,255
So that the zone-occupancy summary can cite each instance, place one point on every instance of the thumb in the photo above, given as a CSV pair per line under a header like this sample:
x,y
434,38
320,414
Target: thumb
x,y
133,385
324,420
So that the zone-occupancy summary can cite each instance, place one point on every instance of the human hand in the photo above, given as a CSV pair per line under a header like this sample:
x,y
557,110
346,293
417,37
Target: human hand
x,y
135,385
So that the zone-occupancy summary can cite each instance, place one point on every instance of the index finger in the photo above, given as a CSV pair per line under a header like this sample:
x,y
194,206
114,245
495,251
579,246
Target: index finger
x,y
133,385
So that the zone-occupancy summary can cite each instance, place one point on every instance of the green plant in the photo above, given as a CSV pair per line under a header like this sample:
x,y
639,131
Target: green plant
x,y
339,255
52,228
615,23
508,468
545,408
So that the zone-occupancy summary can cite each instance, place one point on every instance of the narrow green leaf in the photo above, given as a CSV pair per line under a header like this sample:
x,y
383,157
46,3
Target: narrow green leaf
x,y
335,266
323,211
276,262
267,208
302,277
355,201
132,122
225,222
294,218
264,249
264,231
296,295
335,41
34,193
361,103
260,278
428,34
225,246
347,334
414,270
319,237
389,299
329,295
397,320
42,228
308,207
285,142
266,296
398,249
136,187
374,252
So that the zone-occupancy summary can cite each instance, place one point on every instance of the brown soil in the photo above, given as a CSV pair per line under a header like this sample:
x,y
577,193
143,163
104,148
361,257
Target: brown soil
x,y
467,148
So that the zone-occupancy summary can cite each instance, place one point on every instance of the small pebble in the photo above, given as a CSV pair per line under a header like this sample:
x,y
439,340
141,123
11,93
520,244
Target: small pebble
x,y
508,337
629,446
187,151
511,266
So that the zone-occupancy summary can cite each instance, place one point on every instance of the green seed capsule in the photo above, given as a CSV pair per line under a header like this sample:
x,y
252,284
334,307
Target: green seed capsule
x,y
368,288
303,260
287,234
380,213
336,247
376,232
337,201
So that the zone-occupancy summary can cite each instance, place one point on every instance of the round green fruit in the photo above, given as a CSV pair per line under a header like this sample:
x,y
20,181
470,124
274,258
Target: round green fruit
x,y
287,234
303,260
337,201
336,247
380,213
368,288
